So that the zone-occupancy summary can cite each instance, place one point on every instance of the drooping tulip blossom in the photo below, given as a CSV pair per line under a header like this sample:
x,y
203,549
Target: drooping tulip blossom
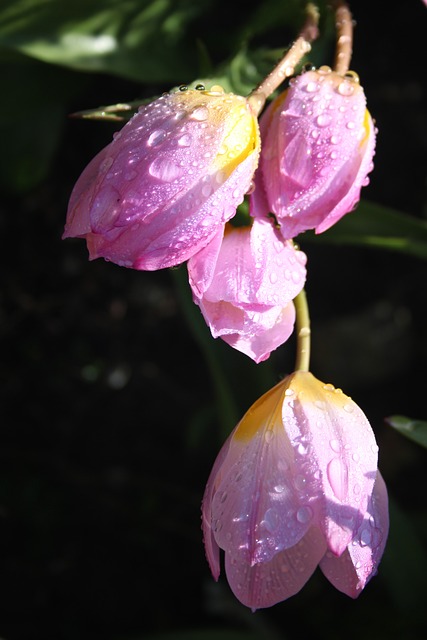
x,y
294,487
318,147
170,179
244,282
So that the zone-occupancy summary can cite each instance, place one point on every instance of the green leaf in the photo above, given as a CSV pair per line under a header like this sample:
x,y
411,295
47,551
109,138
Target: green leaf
x,y
142,40
373,225
415,430
33,115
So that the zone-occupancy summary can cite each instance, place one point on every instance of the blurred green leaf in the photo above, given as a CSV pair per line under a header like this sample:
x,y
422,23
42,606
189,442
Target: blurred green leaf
x,y
142,40
33,115
415,430
376,226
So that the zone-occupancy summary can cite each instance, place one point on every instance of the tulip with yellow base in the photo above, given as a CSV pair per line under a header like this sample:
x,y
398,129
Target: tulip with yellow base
x,y
296,486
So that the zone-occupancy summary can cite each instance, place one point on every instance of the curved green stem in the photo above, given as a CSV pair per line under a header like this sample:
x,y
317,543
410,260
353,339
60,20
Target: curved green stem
x,y
303,331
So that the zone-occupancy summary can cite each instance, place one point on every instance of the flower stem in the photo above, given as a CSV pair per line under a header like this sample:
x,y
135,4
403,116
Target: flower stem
x,y
344,41
286,66
303,332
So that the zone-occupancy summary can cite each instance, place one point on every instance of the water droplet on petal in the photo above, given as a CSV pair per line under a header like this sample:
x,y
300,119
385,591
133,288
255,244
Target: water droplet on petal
x,y
185,140
270,520
200,114
165,169
345,88
156,138
337,472
311,87
304,515
365,537
273,277
335,445
269,435
323,120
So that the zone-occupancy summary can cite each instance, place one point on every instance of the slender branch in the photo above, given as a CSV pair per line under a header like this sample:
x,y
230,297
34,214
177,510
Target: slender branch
x,y
344,41
286,66
303,332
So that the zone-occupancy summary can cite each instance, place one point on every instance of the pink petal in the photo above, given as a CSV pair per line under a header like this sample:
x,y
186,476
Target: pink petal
x,y
318,144
254,267
211,547
265,584
256,506
169,180
245,284
358,564
340,450
263,336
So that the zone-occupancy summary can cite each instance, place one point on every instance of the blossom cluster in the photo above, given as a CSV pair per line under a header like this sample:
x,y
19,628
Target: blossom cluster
x,y
296,484
167,188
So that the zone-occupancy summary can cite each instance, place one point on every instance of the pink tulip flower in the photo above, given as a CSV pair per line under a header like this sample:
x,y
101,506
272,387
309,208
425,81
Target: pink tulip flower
x,y
244,282
318,148
167,183
294,487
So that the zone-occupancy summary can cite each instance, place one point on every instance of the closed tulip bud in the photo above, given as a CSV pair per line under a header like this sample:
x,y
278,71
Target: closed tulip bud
x,y
318,148
294,487
244,282
170,179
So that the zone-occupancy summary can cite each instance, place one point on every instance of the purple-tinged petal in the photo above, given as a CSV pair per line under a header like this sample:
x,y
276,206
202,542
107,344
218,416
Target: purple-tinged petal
x,y
358,564
170,179
211,547
256,507
245,286
268,330
265,584
341,449
318,145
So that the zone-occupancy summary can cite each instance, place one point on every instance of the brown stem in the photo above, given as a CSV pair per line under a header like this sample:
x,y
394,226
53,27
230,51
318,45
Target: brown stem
x,y
286,66
344,41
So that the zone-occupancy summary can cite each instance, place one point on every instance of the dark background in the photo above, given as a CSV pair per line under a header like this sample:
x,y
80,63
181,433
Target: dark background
x,y
109,417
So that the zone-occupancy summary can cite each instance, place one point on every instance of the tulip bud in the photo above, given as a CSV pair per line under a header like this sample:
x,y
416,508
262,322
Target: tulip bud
x,y
318,146
170,179
244,282
295,486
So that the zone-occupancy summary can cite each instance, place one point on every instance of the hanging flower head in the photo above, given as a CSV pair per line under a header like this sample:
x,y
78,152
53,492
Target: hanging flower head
x,y
294,487
170,179
244,282
318,147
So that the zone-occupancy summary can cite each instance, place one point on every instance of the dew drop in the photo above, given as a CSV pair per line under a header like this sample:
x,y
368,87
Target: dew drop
x,y
304,515
270,520
349,408
165,170
311,87
279,488
300,483
335,445
200,114
355,457
365,537
156,138
337,472
269,435
289,392
185,140
323,120
345,88
273,277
